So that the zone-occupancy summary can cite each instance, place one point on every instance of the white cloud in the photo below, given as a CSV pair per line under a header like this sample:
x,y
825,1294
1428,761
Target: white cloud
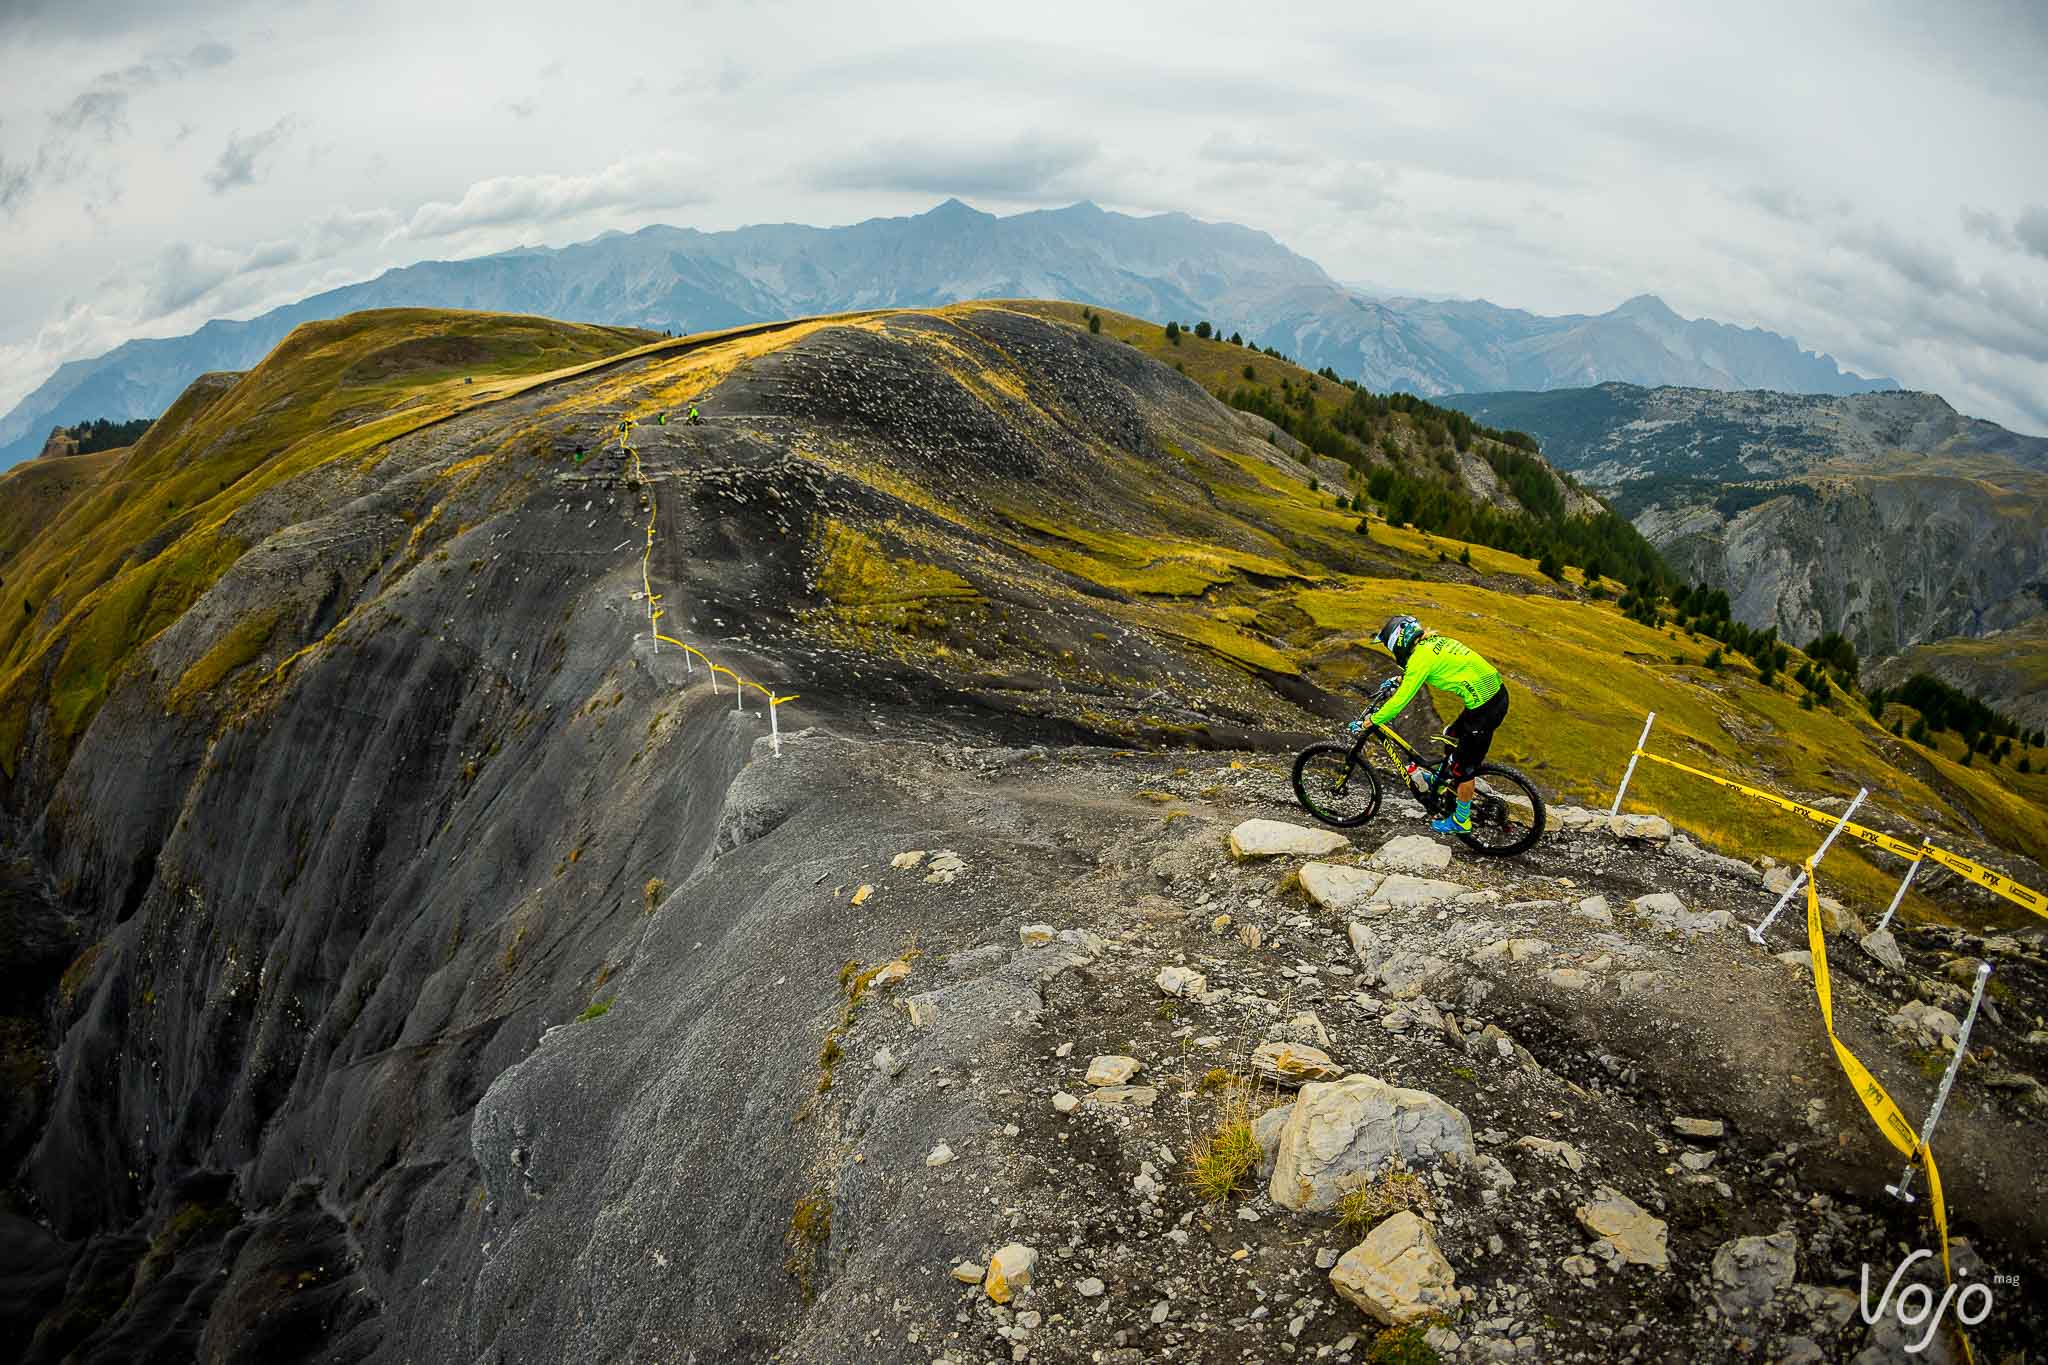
x,y
647,183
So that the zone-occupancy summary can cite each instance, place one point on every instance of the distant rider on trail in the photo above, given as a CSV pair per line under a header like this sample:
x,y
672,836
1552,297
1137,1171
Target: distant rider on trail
x,y
1447,666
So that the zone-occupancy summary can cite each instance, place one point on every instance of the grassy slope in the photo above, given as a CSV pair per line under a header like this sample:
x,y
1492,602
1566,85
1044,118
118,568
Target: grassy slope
x,y
127,557
1585,674
34,494
1217,551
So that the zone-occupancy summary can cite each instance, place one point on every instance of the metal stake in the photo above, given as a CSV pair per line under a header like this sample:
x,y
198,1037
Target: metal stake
x,y
1903,1188
1756,935
774,730
1615,809
1900,895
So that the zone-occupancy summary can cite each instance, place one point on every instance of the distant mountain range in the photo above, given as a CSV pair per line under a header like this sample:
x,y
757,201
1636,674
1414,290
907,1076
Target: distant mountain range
x,y
1889,517
1169,266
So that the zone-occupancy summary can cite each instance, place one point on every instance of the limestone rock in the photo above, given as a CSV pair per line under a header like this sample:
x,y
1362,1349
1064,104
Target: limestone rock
x,y
967,1272
1117,1096
1882,946
1113,1069
1780,879
1333,886
908,860
1711,1130
1569,978
1595,910
1563,1153
1625,1226
1032,935
1293,1063
1411,853
1266,1130
891,974
1277,839
1009,1272
1402,892
1654,827
1352,1127
888,1063
944,867
1397,1274
1063,1103
941,1155
1182,981
1926,1022
1306,1027
1749,1272
1522,949
1090,1288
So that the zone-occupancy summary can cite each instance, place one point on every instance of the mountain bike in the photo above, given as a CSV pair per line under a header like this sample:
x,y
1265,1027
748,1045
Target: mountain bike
x,y
1336,783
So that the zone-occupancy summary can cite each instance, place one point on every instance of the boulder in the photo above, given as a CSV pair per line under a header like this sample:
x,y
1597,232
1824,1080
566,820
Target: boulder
x,y
1266,1130
1571,818
1780,879
1594,909
1035,935
1918,1019
1277,839
1305,1027
1654,827
1882,946
1113,1069
1750,1271
1333,886
1182,981
1411,853
1340,1130
1009,1272
1569,978
1292,1064
1402,892
1397,1274
1625,1226
1707,1130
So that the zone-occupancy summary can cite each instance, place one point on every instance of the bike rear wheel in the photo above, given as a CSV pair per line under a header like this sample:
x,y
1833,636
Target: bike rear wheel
x,y
1507,812
1336,785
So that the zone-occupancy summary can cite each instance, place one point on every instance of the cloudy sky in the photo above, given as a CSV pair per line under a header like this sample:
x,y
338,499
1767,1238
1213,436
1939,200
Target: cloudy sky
x,y
1869,178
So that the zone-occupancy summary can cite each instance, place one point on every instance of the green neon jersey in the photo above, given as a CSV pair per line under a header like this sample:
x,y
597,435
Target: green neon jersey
x,y
1447,666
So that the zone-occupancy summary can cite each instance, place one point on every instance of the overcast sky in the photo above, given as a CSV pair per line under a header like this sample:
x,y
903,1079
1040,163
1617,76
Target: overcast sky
x,y
1870,179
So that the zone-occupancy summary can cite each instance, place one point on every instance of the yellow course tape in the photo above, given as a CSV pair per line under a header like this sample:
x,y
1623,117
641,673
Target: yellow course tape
x,y
1883,1109
654,613
2020,895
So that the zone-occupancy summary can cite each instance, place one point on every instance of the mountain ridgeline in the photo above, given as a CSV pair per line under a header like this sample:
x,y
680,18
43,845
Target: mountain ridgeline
x,y
408,956
1164,266
1887,517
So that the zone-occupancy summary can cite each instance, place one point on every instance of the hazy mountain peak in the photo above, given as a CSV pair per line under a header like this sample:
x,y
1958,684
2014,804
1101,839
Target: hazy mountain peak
x,y
1646,306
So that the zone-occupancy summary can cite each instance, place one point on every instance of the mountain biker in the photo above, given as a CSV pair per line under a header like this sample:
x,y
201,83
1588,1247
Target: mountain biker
x,y
1447,666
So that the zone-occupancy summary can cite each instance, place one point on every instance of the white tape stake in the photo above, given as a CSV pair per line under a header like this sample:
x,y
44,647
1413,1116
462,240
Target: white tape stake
x,y
774,730
1900,894
1903,1189
1615,809
1756,935
739,696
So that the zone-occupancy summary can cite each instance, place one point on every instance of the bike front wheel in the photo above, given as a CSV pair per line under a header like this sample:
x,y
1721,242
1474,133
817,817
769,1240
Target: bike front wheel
x,y
1507,812
1336,785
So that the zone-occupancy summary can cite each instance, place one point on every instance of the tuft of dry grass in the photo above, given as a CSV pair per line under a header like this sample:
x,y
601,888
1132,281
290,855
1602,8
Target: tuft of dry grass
x,y
1224,1159
1386,1194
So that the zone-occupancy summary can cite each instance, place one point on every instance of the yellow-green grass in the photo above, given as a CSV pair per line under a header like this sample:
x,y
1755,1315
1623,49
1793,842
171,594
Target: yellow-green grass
x,y
1583,677
1160,565
130,553
34,494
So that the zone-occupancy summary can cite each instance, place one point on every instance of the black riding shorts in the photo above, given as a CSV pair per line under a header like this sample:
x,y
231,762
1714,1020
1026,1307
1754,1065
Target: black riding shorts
x,y
1473,729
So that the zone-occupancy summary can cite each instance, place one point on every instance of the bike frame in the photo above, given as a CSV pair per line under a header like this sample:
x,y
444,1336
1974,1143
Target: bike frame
x,y
1394,746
